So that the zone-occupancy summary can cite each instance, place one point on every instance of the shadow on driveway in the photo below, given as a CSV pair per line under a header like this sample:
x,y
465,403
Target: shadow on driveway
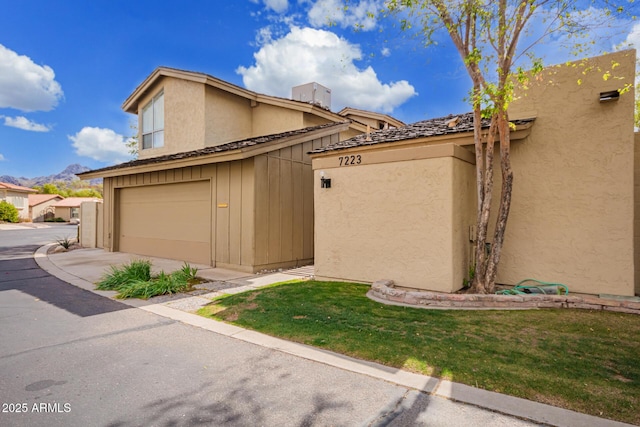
x,y
19,271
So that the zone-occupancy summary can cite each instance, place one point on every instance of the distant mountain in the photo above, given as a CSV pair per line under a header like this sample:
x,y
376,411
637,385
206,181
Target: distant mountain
x,y
67,175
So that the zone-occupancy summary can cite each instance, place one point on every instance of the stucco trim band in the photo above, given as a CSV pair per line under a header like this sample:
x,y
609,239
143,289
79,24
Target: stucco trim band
x,y
369,155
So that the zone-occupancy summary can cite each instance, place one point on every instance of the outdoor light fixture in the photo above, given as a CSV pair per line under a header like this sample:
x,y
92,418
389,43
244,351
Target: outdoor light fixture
x,y
324,182
612,95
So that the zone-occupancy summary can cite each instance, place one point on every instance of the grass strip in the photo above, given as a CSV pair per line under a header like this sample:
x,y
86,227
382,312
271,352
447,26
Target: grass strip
x,y
586,361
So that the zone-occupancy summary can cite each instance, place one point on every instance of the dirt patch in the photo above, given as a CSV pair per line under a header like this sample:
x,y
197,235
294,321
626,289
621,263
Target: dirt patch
x,y
232,317
253,296
623,379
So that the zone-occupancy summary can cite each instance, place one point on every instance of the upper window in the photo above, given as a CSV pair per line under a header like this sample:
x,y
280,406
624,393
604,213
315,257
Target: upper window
x,y
153,123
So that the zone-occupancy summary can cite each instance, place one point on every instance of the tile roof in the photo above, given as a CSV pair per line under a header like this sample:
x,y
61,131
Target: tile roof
x,y
36,199
230,146
7,186
74,202
422,129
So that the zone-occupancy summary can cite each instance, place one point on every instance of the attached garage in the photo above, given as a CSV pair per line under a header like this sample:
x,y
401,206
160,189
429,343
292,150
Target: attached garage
x,y
246,205
160,220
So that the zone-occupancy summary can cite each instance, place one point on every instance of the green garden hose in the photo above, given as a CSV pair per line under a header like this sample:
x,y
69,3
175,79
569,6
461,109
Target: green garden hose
x,y
546,288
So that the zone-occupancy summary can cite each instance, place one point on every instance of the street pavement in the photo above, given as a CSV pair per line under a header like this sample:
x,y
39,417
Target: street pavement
x,y
71,357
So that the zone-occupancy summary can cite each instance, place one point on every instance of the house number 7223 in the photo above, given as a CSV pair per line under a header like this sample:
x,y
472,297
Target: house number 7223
x,y
350,160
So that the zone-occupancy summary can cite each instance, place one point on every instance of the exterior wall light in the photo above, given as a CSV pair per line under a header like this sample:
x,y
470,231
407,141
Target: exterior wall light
x,y
324,182
612,95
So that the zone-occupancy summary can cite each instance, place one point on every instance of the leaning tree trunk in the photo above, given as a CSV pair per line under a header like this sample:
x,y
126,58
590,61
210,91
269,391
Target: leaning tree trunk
x,y
505,202
484,177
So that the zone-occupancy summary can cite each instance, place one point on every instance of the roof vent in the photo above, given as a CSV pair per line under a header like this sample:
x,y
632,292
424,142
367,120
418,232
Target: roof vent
x,y
453,122
313,93
612,95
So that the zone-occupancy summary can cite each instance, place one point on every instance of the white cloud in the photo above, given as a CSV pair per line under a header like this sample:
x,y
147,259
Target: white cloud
x,y
334,12
278,6
385,51
306,55
25,85
23,123
101,144
633,39
2,159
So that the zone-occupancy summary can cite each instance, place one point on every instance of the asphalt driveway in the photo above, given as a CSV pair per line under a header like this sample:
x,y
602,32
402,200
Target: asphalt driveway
x,y
69,357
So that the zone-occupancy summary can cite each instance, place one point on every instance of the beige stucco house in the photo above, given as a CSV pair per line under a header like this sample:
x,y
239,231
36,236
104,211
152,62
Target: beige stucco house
x,y
223,176
69,208
41,206
18,196
401,203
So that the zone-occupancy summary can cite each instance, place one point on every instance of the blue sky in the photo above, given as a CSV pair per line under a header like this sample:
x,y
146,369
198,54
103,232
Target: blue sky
x,y
67,66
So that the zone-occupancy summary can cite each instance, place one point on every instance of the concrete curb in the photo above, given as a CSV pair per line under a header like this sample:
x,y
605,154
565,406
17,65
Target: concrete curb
x,y
385,292
508,405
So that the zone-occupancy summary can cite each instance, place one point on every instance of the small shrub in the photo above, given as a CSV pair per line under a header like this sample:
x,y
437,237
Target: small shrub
x,y
134,280
65,242
8,212
58,219
162,284
137,270
466,283
188,271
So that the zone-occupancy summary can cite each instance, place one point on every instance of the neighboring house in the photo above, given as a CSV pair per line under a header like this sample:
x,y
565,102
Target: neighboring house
x,y
69,208
18,196
375,121
223,177
402,202
41,206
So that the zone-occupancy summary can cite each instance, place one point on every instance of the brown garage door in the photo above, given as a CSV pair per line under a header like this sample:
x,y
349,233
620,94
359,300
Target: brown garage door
x,y
168,221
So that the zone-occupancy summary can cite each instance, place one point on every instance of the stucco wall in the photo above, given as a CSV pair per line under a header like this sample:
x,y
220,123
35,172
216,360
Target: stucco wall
x,y
184,106
270,119
89,224
39,211
63,212
22,206
571,218
463,190
228,117
393,220
312,120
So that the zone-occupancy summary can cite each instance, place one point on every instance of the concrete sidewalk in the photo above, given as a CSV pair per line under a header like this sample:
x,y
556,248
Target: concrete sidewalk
x,y
84,267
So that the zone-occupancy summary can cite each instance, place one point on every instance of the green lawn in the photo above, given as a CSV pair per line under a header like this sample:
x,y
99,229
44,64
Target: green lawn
x,y
581,360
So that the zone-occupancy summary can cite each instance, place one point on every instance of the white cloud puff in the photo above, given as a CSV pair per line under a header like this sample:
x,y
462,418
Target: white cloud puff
x,y
2,159
23,123
278,6
309,55
100,144
330,12
633,39
25,85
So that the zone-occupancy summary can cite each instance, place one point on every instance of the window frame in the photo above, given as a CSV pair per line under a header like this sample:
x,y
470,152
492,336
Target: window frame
x,y
155,133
